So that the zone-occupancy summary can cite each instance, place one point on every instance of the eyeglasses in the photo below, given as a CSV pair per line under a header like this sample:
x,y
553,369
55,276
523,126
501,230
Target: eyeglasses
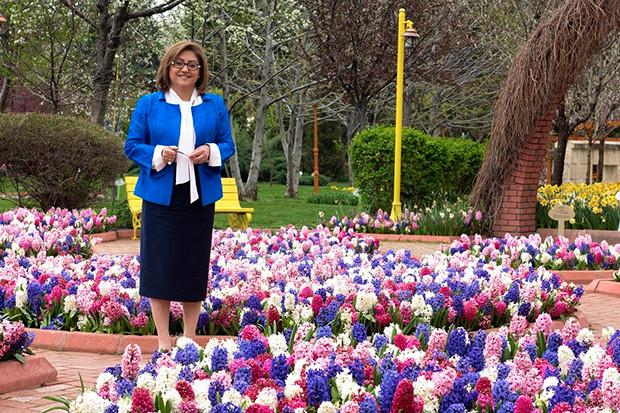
x,y
178,64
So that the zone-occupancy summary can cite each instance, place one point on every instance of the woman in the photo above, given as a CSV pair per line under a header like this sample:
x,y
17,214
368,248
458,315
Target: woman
x,y
180,137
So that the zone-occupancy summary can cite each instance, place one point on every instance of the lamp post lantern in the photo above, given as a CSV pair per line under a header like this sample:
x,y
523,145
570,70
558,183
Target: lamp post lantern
x,y
407,36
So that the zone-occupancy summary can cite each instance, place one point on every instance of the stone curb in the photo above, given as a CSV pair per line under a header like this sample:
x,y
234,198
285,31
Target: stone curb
x,y
408,238
16,376
585,276
114,235
606,286
101,343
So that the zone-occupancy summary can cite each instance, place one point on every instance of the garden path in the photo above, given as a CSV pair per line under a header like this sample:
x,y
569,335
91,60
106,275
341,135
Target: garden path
x,y
600,310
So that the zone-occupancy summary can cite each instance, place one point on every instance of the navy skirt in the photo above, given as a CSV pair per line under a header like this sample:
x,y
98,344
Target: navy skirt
x,y
175,248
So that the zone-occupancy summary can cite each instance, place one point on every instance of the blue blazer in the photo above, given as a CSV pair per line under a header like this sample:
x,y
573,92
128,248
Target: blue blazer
x,y
155,122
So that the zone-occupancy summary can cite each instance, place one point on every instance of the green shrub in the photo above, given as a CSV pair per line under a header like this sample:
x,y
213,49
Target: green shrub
x,y
430,167
308,179
331,197
57,160
123,215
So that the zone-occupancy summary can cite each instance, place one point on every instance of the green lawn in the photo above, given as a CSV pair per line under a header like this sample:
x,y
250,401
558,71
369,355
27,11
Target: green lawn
x,y
271,210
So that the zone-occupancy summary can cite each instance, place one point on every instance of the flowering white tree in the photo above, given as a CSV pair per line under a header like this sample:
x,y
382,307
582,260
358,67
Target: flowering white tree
x,y
255,55
43,52
108,19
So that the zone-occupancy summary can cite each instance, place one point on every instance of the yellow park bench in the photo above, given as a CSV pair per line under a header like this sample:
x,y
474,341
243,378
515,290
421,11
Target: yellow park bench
x,y
238,217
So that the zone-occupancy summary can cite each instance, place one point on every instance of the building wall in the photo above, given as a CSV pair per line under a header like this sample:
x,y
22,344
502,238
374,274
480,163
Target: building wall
x,y
576,163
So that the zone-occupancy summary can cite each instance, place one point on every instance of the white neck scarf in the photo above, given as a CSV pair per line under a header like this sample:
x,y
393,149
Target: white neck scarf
x,y
187,140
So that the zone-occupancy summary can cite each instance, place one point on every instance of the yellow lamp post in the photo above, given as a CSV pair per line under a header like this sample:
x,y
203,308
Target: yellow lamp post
x,y
406,39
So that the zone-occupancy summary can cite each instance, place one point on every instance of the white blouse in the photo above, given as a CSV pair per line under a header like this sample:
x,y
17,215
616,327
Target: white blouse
x,y
187,142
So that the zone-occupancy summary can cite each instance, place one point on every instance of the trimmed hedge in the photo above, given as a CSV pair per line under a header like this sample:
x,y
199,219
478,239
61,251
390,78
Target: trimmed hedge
x,y
431,167
308,180
59,161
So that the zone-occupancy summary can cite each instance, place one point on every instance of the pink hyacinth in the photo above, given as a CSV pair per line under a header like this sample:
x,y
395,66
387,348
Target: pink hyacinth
x,y
469,310
519,326
524,405
570,330
176,310
251,332
544,324
130,365
405,401
494,345
437,341
140,320
188,407
185,390
142,401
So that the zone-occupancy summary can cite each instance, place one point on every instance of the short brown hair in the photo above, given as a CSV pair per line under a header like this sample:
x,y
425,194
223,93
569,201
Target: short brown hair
x,y
163,73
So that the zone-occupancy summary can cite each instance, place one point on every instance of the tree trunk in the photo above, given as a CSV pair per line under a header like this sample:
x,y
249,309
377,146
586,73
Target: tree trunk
x,y
223,49
351,127
294,148
559,155
108,44
4,93
250,192
601,159
360,107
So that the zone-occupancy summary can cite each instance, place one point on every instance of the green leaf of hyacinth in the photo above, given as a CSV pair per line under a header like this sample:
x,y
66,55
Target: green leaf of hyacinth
x,y
19,358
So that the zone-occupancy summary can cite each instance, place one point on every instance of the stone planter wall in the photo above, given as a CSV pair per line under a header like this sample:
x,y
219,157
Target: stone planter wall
x,y
17,376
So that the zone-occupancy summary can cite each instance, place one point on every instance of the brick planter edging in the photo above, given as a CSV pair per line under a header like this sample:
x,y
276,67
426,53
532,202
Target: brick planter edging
x,y
101,343
408,238
16,376
585,276
606,286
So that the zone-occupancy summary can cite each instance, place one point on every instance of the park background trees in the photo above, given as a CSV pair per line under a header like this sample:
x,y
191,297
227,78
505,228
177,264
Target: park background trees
x,y
272,60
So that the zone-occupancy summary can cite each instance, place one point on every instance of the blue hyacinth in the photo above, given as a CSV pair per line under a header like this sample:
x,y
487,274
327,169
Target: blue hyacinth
x,y
457,342
219,359
243,378
324,331
252,349
327,314
318,387
280,369
387,390
226,408
187,355
124,387
358,331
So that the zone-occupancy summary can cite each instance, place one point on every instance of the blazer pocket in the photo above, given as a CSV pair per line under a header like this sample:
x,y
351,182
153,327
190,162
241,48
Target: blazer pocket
x,y
158,174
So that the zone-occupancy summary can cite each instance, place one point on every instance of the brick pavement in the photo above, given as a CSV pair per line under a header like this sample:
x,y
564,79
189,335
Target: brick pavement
x,y
600,310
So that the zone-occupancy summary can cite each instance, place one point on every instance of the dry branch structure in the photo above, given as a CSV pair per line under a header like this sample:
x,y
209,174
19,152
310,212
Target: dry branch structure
x,y
550,60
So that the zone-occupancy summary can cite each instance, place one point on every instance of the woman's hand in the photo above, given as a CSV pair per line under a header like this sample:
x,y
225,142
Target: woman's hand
x,y
200,154
169,154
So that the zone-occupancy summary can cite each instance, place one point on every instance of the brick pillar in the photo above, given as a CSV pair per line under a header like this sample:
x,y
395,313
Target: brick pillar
x,y
517,214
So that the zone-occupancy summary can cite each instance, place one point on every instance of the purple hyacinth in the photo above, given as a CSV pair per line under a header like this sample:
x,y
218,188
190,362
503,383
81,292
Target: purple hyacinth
x,y
219,359
318,387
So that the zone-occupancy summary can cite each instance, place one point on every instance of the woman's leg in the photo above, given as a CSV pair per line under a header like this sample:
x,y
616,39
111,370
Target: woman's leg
x,y
161,314
191,311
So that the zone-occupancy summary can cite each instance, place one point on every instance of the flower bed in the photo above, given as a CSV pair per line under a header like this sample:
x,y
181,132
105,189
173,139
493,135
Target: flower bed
x,y
552,254
513,370
28,232
14,341
330,279
595,205
449,220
